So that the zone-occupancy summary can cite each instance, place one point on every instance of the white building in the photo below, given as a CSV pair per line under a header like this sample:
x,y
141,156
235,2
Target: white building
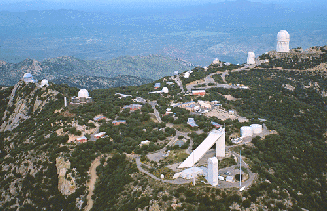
x,y
283,41
44,82
187,75
165,90
246,131
83,97
257,129
28,78
251,58
213,171
216,61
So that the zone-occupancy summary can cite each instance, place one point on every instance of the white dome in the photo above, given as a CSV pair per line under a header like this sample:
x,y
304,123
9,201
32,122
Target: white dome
x,y
246,131
44,82
283,35
27,75
256,128
83,93
187,75
165,90
216,61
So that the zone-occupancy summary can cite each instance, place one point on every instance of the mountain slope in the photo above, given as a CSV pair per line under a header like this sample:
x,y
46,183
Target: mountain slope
x,y
149,67
95,82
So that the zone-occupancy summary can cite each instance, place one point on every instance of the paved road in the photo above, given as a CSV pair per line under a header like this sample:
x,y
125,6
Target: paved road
x,y
208,79
97,131
179,82
156,112
178,181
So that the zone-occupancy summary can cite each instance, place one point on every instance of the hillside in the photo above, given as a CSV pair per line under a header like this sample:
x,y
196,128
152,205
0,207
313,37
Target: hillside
x,y
148,67
44,167
94,82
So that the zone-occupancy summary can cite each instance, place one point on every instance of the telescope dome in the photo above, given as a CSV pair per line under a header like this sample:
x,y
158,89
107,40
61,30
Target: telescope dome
x,y
283,35
83,93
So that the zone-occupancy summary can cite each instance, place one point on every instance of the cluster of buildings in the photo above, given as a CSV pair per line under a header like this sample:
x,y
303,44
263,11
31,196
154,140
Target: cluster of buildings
x,y
119,122
157,86
133,107
83,139
28,78
200,106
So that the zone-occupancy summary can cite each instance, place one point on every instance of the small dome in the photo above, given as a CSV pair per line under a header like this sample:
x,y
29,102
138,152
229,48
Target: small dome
x,y
83,93
27,75
44,82
165,90
216,61
283,35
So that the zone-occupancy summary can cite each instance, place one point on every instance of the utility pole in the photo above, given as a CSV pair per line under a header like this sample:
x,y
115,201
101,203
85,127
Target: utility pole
x,y
240,170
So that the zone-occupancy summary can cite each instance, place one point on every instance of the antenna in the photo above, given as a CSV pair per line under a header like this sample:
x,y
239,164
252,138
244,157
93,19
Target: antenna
x,y
240,170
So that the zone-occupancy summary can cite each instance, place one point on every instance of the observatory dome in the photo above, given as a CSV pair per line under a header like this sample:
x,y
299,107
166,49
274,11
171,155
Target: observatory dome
x,y
28,78
27,75
187,75
246,131
165,90
44,82
283,35
83,93
256,128
216,61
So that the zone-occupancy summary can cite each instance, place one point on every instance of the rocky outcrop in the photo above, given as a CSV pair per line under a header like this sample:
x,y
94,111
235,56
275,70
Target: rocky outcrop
x,y
66,183
22,101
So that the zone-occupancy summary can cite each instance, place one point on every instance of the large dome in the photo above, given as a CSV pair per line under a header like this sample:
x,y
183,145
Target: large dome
x,y
283,35
83,93
27,75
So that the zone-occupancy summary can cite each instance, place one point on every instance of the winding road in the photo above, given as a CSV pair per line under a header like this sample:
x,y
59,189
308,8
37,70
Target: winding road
x,y
90,184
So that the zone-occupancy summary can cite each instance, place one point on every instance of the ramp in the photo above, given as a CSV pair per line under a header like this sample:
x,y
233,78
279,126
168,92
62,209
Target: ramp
x,y
215,136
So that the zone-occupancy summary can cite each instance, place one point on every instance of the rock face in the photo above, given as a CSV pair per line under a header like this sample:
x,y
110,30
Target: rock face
x,y
66,183
22,101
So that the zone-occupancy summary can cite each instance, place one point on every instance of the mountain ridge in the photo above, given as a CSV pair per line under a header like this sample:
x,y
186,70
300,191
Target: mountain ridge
x,y
141,68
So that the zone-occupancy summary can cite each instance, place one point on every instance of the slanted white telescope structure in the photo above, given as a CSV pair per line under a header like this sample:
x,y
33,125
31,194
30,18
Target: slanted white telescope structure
x,y
213,171
215,137
283,41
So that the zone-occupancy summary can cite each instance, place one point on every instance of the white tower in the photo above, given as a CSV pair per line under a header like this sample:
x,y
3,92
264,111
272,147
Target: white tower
x,y
283,41
251,58
213,171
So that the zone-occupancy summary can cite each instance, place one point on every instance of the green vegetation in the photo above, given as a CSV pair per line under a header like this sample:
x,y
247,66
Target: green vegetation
x,y
291,164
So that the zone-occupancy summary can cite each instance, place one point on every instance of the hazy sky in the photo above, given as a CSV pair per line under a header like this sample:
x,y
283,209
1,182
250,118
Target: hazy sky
x,y
57,4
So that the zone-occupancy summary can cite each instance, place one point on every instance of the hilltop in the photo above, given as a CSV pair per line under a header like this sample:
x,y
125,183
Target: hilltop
x,y
45,166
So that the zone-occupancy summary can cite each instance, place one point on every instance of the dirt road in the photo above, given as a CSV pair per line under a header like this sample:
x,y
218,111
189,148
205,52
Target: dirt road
x,y
91,183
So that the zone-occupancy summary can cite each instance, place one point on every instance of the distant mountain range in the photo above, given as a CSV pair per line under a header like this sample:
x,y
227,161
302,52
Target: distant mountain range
x,y
198,33
122,71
